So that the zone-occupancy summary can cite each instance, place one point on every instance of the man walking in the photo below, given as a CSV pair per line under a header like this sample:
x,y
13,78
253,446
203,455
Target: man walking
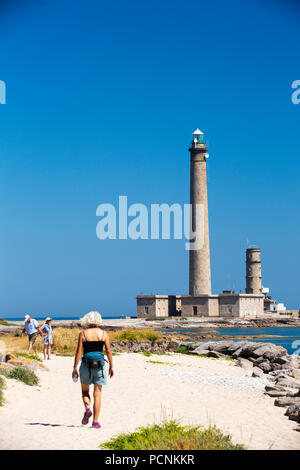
x,y
31,328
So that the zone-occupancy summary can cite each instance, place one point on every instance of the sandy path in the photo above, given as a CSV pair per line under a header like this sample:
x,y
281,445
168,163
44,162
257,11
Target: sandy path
x,y
49,416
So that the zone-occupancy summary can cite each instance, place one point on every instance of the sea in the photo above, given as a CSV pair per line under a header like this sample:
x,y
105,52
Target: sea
x,y
55,318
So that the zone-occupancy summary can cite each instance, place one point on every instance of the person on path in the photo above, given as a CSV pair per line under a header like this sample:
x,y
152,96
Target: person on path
x,y
92,369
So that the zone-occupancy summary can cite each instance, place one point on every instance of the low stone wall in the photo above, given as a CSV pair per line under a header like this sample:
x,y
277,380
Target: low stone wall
x,y
158,346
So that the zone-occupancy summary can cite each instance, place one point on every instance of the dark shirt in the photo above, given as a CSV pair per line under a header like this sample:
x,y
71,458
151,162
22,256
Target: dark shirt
x,y
92,346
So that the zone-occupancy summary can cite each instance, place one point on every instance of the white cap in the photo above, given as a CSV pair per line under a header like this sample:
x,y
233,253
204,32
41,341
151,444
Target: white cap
x,y
26,317
197,132
48,318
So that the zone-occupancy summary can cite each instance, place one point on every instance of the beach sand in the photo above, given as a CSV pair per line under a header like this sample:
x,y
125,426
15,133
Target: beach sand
x,y
198,391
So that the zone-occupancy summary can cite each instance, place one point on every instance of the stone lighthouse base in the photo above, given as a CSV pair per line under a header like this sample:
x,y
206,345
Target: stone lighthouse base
x,y
228,304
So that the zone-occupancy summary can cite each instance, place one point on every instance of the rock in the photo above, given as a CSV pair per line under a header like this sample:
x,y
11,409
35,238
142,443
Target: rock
x,y
237,353
295,373
288,382
222,346
6,366
201,352
216,354
293,412
248,349
287,401
235,346
257,372
259,360
276,393
269,351
244,363
265,367
282,391
281,360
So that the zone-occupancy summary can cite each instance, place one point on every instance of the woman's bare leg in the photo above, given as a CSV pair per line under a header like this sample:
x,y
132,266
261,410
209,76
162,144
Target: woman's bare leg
x,y
85,391
97,401
49,350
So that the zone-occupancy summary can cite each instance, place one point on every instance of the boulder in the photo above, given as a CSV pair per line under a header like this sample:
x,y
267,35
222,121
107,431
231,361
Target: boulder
x,y
244,363
282,391
235,346
293,412
6,366
281,360
222,346
295,373
257,372
265,366
201,352
276,393
269,351
288,382
216,354
237,353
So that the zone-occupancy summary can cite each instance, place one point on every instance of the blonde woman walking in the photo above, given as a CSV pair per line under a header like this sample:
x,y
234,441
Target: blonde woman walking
x,y
93,368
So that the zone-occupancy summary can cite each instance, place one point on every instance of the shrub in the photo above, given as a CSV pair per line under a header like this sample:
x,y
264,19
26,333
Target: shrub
x,y
182,350
21,374
171,436
130,334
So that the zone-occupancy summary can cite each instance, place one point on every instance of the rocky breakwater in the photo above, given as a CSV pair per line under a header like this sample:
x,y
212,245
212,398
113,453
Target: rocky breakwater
x,y
281,369
159,346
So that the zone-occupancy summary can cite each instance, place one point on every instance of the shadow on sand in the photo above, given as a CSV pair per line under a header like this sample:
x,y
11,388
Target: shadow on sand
x,y
54,425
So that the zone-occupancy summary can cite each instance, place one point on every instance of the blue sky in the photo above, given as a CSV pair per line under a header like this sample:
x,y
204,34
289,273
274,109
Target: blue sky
x,y
102,98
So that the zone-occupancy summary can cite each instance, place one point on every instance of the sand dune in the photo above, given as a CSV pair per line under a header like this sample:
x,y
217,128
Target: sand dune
x,y
195,390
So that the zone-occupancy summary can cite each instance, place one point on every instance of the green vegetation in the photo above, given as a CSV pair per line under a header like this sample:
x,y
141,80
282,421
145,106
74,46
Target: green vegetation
x,y
6,323
66,339
135,335
28,356
21,374
182,350
147,353
171,436
2,387
159,362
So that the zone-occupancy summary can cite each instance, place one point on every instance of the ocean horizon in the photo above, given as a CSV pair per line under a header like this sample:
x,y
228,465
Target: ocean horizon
x,y
57,318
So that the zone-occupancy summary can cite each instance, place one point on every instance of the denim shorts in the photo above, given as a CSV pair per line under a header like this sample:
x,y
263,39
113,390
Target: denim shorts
x,y
92,376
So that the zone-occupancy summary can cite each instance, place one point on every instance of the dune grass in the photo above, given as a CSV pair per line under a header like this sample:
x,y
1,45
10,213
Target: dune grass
x,y
160,362
171,436
23,375
2,387
28,356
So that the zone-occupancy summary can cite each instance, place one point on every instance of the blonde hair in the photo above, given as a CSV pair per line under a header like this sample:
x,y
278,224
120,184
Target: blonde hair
x,y
91,319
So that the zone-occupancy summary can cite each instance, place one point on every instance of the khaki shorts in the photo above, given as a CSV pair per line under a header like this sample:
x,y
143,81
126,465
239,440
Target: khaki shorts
x,y
32,338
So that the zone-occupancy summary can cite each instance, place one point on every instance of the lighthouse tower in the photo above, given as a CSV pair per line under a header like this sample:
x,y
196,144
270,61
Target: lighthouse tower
x,y
199,262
